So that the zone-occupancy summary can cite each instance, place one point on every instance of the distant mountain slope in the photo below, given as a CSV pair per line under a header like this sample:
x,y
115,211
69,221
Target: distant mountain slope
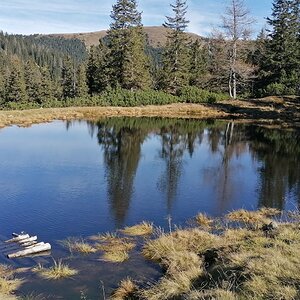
x,y
157,36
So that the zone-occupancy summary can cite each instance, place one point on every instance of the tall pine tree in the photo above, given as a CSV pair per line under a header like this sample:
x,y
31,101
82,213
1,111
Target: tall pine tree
x,y
15,88
68,79
32,81
129,66
97,68
198,63
46,88
81,82
176,54
282,60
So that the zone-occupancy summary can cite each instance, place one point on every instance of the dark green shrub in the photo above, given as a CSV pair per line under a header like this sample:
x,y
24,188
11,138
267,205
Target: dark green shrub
x,y
192,94
275,89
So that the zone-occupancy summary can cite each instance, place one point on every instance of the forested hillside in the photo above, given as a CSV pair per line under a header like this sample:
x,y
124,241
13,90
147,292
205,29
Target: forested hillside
x,y
130,67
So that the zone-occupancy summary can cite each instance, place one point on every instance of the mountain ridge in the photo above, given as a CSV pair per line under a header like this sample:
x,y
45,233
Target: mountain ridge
x,y
157,36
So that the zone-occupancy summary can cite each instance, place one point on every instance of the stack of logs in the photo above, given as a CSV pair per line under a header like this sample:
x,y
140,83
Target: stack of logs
x,y
28,243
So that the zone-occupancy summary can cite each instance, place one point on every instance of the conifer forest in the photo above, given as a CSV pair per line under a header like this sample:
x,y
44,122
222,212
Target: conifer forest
x,y
40,70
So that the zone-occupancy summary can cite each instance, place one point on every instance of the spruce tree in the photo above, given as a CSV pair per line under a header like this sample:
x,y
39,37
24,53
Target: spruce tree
x,y
97,69
32,81
176,54
198,63
282,61
68,79
81,82
136,71
129,67
15,89
46,88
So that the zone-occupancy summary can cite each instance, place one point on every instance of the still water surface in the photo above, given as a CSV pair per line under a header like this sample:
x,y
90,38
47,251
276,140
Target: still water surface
x,y
78,178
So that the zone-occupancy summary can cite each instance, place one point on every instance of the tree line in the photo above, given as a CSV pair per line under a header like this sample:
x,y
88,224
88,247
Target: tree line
x,y
39,69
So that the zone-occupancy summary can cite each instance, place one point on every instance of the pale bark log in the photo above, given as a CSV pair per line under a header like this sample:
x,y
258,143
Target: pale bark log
x,y
33,250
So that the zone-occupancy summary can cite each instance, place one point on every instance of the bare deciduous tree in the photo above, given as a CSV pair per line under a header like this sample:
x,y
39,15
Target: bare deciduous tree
x,y
237,26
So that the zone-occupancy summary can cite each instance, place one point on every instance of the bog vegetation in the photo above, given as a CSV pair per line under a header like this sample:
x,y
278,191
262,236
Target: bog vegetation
x,y
124,70
243,255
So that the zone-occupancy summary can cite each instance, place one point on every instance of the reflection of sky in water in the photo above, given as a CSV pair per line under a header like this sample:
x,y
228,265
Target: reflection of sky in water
x,y
58,183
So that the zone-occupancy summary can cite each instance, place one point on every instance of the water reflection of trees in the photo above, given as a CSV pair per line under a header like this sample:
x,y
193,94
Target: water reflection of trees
x,y
122,150
174,143
277,153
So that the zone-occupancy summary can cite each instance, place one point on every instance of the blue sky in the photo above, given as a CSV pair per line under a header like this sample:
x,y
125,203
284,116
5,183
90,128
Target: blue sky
x,y
56,16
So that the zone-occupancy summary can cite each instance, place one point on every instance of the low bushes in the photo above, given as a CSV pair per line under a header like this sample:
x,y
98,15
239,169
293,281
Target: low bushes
x,y
125,98
191,94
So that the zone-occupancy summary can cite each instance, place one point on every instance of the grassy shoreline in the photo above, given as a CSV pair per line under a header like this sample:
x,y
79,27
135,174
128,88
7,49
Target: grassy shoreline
x,y
25,118
275,111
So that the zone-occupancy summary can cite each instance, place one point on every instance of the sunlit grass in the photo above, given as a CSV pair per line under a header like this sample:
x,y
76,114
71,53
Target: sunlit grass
x,y
58,271
116,245
203,220
8,283
126,290
105,237
78,245
144,228
115,256
254,218
240,263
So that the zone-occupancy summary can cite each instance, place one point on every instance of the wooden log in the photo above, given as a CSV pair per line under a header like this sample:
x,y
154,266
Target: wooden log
x,y
33,250
32,246
30,239
29,244
17,234
18,238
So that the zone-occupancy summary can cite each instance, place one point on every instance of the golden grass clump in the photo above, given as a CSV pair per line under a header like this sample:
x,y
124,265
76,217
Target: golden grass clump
x,y
213,294
144,228
182,267
105,237
203,220
8,284
79,245
171,286
57,271
115,248
194,240
255,218
269,212
116,245
115,256
126,290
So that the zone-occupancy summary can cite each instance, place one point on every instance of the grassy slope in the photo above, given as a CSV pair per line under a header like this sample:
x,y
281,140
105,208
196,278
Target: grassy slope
x,y
157,36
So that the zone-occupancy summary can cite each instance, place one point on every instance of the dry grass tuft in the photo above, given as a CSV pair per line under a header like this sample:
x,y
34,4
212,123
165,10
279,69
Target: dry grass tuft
x,y
116,248
116,245
143,228
105,237
79,245
269,212
8,284
255,218
115,256
126,290
213,294
195,240
57,271
203,220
